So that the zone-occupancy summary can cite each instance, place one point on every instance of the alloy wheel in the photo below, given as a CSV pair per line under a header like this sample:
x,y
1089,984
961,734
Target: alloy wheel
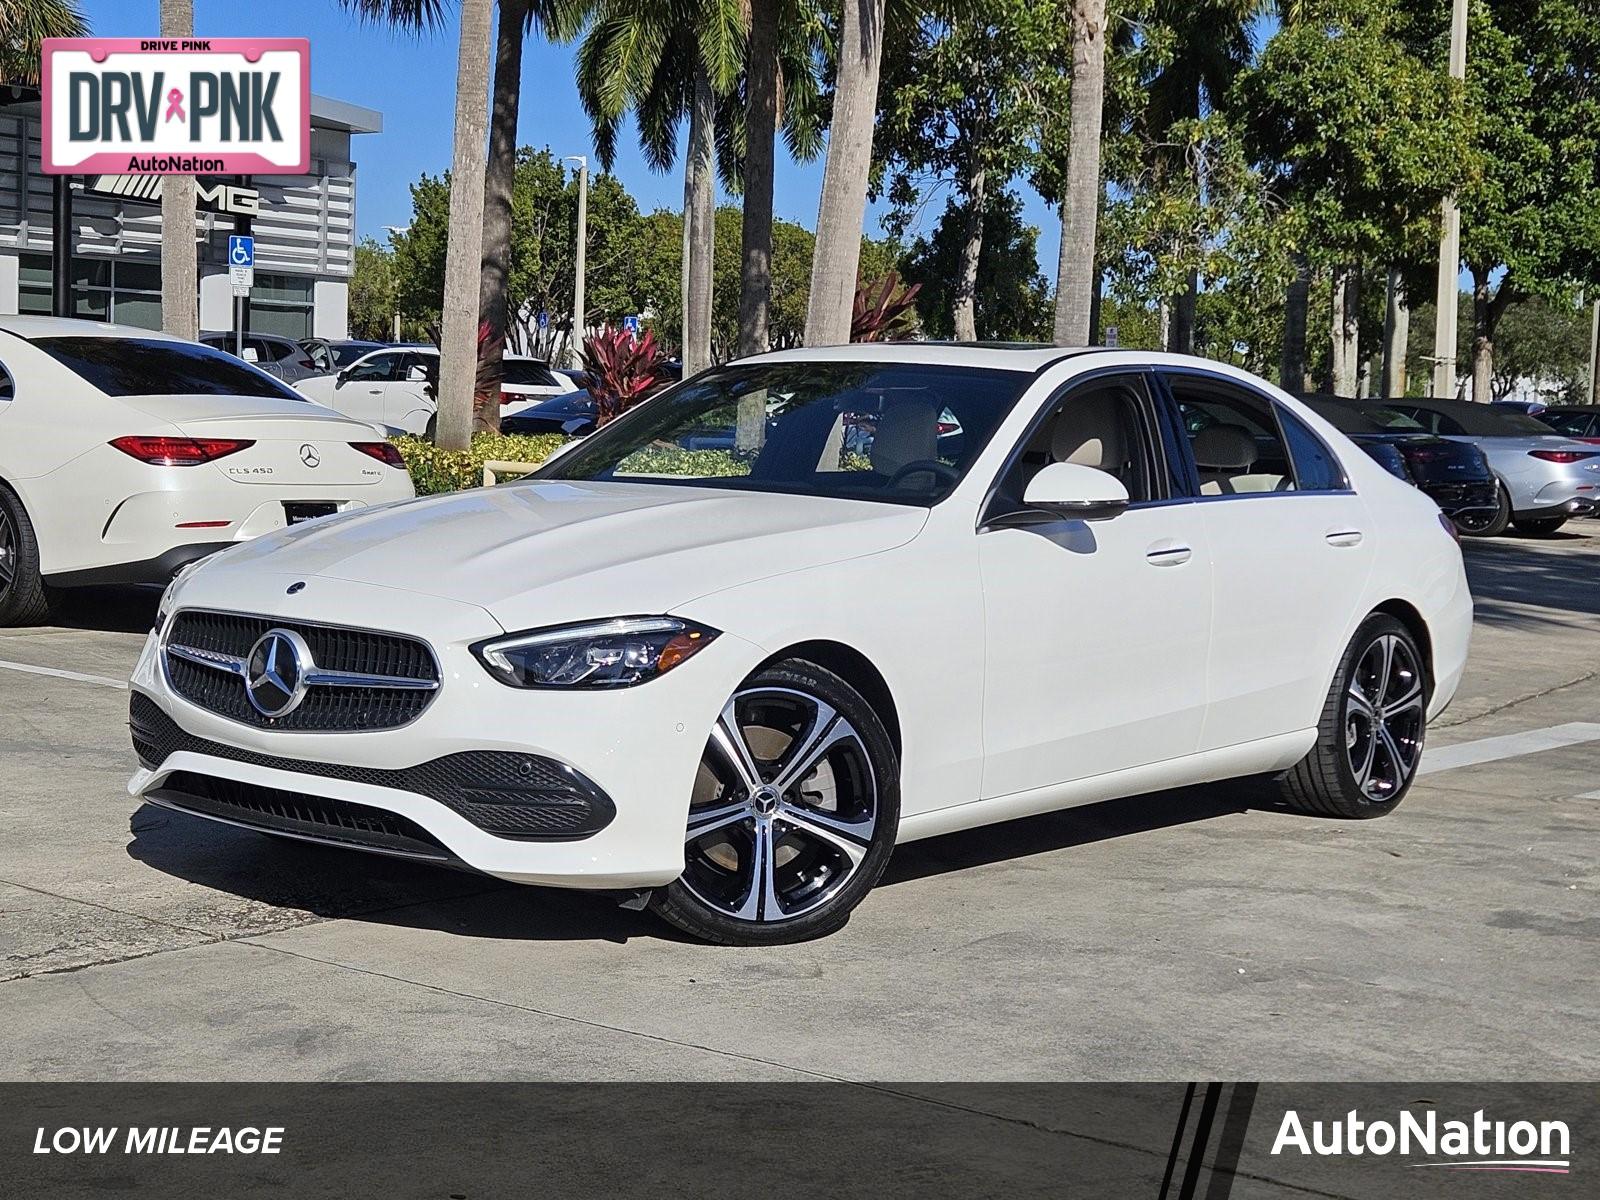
x,y
784,809
8,551
1384,717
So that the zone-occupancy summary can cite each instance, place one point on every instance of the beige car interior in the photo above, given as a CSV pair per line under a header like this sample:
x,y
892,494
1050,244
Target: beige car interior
x,y
1092,429
1224,455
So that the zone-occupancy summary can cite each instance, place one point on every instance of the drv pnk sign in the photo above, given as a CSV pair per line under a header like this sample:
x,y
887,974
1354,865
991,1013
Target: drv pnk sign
x,y
171,106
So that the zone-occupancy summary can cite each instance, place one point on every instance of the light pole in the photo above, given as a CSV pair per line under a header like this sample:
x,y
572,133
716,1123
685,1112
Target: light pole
x,y
583,240
1444,326
394,232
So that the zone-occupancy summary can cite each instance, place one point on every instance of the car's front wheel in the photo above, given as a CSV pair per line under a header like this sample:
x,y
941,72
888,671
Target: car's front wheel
x,y
1369,739
793,814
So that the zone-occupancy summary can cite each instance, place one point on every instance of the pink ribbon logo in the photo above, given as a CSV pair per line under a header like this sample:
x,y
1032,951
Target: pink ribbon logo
x,y
174,105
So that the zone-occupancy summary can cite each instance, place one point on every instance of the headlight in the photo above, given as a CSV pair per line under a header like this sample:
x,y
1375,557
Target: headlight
x,y
596,654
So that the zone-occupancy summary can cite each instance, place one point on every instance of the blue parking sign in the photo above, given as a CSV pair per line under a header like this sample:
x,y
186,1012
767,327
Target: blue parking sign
x,y
241,250
630,324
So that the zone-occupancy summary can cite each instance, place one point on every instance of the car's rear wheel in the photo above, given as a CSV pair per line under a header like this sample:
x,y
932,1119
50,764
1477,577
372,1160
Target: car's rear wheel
x,y
1369,739
23,600
793,814
1539,526
1489,523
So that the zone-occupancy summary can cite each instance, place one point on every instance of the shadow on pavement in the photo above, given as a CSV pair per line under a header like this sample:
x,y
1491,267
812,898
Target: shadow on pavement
x,y
1511,576
106,609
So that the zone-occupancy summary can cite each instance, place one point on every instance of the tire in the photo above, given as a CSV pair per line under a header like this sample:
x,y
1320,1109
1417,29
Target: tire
x,y
1354,771
1495,525
1539,526
822,813
23,600
431,430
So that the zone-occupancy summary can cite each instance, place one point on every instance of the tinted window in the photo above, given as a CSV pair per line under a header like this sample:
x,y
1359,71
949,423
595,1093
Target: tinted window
x,y
346,353
1234,437
860,430
1315,468
1570,423
524,373
152,367
377,369
268,349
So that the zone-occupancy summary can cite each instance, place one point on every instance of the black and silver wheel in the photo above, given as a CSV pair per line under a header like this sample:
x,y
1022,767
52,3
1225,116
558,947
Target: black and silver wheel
x,y
793,814
1369,740
1488,522
23,600
1539,526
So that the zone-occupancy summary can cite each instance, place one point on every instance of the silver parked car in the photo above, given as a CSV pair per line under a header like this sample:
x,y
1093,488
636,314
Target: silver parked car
x,y
281,357
1545,477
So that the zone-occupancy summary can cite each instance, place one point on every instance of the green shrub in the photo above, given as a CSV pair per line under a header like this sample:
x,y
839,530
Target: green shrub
x,y
434,470
674,460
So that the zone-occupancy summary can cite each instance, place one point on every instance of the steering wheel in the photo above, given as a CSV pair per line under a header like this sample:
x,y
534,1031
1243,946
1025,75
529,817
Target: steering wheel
x,y
930,466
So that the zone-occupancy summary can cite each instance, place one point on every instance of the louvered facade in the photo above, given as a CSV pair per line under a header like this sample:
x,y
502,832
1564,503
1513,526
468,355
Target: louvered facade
x,y
305,235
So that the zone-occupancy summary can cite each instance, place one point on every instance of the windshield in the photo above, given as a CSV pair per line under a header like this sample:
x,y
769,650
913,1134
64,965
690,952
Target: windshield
x,y
896,432
121,366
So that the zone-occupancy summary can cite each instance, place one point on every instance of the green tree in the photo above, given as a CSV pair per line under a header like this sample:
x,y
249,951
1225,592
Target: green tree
x,y
373,295
1363,136
1012,298
539,268
669,62
1530,215
961,104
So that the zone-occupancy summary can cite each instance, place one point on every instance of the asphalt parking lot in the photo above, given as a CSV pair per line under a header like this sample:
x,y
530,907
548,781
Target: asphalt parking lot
x,y
1193,934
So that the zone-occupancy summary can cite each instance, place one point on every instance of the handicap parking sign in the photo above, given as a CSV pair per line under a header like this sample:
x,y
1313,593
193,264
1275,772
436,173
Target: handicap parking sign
x,y
241,251
630,324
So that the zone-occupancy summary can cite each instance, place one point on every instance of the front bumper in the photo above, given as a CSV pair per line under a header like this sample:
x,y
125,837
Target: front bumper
x,y
632,753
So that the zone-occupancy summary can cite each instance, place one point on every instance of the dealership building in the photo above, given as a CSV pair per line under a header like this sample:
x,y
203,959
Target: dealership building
x,y
304,228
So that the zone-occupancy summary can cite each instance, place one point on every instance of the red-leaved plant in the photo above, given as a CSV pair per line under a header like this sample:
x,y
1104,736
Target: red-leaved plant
x,y
883,311
621,370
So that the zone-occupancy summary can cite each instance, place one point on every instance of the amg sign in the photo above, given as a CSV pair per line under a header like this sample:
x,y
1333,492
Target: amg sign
x,y
211,195
154,106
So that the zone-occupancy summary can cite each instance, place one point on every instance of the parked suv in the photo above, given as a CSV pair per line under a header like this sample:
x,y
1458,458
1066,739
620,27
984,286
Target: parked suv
x,y
280,357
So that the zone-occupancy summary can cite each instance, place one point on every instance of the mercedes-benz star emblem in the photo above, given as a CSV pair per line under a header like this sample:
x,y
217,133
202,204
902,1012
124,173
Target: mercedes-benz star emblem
x,y
309,455
275,673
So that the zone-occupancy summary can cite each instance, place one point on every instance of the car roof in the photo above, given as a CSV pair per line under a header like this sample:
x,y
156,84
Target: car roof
x,y
30,327
1012,356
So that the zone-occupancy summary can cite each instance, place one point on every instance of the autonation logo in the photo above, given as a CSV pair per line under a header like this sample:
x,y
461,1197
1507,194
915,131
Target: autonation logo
x,y
1479,1144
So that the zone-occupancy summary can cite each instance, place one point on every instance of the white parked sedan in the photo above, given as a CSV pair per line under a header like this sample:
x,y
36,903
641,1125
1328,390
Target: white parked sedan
x,y
731,680
392,387
126,454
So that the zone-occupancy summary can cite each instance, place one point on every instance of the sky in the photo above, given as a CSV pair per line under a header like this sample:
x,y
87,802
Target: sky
x,y
411,81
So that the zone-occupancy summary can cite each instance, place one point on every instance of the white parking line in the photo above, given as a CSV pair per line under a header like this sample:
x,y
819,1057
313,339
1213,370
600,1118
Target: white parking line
x,y
1510,745
77,676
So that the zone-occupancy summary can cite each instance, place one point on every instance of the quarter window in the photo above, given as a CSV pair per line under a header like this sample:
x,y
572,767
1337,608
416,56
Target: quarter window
x,y
377,369
1315,468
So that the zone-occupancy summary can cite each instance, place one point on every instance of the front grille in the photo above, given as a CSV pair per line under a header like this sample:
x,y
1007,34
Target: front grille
x,y
318,817
523,797
324,709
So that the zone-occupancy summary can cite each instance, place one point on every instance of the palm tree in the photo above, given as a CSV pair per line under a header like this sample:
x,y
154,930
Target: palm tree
x,y
560,20
760,135
844,178
180,263
463,259
1080,199
1212,40
24,24
668,60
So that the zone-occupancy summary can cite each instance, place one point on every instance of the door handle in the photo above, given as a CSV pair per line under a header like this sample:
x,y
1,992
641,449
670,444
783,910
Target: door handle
x,y
1343,537
374,391
1168,552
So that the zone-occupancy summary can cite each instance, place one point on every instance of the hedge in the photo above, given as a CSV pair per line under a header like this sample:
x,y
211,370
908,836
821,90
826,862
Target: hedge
x,y
435,470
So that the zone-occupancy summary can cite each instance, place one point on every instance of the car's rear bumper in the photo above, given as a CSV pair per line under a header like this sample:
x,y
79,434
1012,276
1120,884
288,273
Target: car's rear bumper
x,y
157,570
1577,506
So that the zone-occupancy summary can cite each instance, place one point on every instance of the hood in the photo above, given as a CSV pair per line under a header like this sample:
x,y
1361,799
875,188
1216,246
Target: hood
x,y
540,553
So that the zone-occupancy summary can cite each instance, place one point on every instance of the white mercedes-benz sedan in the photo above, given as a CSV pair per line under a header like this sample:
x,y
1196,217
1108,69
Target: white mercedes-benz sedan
x,y
729,650
126,454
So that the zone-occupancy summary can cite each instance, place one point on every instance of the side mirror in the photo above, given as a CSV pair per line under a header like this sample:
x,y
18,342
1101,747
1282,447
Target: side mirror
x,y
342,377
1071,492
